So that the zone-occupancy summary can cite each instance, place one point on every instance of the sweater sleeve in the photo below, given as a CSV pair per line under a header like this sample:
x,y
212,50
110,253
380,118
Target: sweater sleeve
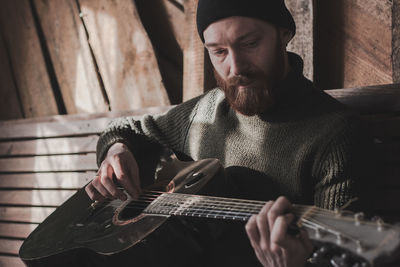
x,y
343,169
146,136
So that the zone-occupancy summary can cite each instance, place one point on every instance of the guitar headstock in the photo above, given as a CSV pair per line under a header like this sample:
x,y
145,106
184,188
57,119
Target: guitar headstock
x,y
359,241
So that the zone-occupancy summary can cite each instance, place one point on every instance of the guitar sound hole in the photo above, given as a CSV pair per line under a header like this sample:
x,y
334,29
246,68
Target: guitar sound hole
x,y
132,210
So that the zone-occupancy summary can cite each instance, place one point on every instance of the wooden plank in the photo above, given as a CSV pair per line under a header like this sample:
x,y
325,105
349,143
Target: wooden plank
x,y
73,125
27,60
16,230
9,261
166,34
24,214
10,106
58,180
370,99
49,146
70,55
62,163
176,17
75,117
10,246
303,42
396,40
124,54
53,129
193,54
354,38
49,198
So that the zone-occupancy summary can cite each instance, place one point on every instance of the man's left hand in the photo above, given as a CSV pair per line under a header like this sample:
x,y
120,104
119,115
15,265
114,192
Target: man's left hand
x,y
268,235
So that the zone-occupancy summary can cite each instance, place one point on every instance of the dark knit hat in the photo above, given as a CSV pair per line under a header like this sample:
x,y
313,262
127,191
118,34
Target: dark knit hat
x,y
272,11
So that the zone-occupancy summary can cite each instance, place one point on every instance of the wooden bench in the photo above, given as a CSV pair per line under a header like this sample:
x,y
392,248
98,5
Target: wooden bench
x,y
44,161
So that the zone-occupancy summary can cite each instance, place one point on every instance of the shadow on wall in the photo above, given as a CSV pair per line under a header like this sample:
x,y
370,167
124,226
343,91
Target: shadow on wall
x,y
329,44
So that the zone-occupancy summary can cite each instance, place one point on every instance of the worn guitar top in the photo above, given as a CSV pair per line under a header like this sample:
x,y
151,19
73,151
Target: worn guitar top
x,y
310,148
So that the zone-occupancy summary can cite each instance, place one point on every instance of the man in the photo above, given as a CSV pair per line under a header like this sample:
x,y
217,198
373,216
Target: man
x,y
274,132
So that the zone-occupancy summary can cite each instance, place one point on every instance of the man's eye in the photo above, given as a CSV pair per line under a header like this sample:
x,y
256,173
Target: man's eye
x,y
250,44
219,52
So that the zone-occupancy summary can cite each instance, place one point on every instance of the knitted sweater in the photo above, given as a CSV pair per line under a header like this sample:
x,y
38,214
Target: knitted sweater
x,y
309,148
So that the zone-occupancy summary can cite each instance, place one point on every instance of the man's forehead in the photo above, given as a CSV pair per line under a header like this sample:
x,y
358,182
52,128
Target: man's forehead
x,y
234,29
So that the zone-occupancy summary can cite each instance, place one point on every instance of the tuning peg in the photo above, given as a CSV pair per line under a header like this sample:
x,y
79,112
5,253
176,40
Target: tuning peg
x,y
338,212
359,246
319,255
339,261
339,238
358,264
358,217
317,232
379,223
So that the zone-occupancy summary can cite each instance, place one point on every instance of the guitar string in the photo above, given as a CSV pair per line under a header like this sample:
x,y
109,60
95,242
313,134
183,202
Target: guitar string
x,y
243,215
299,209
223,207
215,201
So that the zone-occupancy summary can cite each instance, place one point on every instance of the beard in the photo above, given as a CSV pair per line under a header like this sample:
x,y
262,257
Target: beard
x,y
259,95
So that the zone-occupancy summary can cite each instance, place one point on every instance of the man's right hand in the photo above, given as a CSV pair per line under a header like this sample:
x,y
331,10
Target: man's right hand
x,y
119,166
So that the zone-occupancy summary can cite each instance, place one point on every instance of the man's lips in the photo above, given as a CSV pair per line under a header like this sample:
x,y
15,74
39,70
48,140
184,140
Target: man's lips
x,y
245,85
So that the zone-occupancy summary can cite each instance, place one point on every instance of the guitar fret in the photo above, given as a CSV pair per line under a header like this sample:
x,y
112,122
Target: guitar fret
x,y
200,206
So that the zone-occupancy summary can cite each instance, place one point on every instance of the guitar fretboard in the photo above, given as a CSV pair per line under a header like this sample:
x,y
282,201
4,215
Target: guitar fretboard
x,y
204,206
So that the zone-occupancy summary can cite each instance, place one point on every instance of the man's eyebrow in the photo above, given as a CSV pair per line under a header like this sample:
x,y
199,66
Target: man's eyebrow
x,y
240,38
246,35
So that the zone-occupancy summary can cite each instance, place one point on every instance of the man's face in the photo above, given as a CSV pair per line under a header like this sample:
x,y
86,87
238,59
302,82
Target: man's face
x,y
249,59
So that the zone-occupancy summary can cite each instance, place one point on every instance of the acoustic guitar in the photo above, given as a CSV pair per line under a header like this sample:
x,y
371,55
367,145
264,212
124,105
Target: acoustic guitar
x,y
113,226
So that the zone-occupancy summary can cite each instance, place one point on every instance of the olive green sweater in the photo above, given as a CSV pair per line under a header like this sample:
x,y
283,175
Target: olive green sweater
x,y
309,148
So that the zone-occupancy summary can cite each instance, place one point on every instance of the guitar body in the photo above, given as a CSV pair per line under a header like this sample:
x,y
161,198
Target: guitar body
x,y
79,230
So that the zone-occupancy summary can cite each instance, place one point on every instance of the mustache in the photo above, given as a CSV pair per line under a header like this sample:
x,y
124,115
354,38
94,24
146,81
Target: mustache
x,y
245,79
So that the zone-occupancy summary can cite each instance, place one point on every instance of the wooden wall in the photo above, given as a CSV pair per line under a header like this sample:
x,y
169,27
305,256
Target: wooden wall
x,y
353,45
87,56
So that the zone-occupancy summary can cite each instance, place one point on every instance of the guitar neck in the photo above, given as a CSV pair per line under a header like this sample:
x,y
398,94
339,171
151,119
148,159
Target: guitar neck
x,y
210,207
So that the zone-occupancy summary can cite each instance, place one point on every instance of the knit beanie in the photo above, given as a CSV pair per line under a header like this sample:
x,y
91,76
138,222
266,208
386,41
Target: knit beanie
x,y
272,11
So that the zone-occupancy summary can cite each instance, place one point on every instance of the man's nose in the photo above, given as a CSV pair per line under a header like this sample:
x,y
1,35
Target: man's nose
x,y
238,64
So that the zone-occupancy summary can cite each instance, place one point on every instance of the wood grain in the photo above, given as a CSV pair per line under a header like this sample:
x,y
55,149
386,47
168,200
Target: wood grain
x,y
124,54
70,125
58,180
370,99
84,162
10,246
25,214
354,40
75,117
396,40
193,54
166,34
49,146
27,61
70,56
53,129
9,261
48,198
16,230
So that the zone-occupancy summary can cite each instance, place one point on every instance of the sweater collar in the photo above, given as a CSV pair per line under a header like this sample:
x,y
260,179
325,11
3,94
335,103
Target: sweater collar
x,y
293,85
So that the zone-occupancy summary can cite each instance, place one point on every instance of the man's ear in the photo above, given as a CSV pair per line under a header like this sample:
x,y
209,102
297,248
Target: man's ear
x,y
286,36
